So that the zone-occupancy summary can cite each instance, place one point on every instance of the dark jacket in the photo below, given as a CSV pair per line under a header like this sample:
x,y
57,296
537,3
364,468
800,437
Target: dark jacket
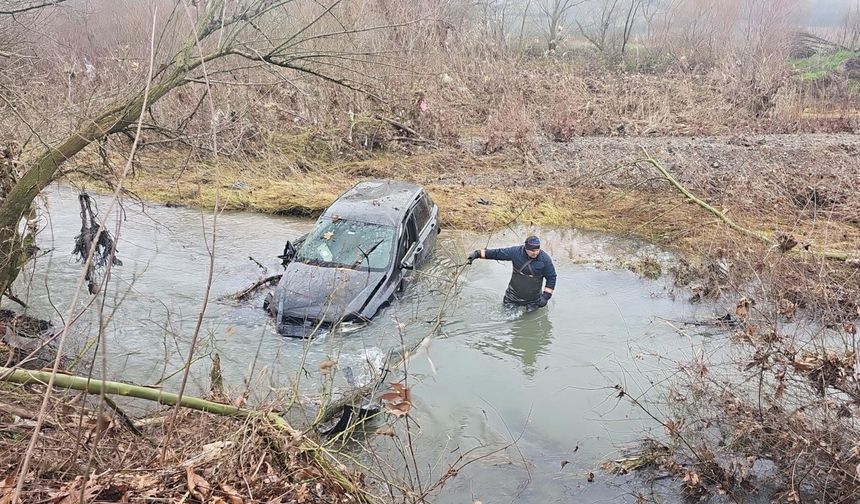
x,y
524,290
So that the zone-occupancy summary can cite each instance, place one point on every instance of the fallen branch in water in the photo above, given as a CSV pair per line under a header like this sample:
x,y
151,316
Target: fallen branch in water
x,y
243,294
774,243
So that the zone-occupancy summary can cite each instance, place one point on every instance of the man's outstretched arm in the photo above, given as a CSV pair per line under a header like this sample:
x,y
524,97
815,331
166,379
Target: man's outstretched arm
x,y
500,254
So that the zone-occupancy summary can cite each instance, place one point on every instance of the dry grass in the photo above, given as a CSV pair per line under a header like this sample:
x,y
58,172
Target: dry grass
x,y
210,459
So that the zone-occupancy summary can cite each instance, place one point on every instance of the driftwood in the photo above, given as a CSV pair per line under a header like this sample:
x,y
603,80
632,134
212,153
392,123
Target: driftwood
x,y
94,239
243,294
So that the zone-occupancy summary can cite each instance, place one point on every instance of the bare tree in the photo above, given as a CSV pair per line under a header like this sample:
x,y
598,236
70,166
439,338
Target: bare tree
x,y
556,12
848,35
493,21
275,35
611,26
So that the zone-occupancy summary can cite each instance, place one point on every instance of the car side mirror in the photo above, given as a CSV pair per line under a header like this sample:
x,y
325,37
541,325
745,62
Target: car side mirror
x,y
288,255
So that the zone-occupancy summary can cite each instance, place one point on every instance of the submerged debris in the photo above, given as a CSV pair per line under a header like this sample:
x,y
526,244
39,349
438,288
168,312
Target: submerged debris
x,y
92,232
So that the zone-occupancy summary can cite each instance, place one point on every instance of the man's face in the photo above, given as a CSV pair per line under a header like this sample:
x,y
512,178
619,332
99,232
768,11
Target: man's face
x,y
533,253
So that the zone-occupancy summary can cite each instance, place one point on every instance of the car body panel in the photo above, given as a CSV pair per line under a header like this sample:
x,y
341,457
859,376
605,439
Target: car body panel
x,y
315,294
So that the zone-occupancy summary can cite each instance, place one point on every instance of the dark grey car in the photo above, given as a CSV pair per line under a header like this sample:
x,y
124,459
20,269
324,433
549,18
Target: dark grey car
x,y
355,259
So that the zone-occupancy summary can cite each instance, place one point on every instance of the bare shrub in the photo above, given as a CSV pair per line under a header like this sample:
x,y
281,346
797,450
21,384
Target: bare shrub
x,y
510,125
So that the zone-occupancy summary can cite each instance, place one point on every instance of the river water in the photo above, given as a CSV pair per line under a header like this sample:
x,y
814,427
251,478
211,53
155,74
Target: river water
x,y
540,382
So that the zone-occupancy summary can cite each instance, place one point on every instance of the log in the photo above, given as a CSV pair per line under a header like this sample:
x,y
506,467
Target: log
x,y
326,460
93,386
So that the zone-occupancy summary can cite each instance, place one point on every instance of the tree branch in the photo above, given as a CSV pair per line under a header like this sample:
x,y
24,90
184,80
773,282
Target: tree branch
x,y
29,8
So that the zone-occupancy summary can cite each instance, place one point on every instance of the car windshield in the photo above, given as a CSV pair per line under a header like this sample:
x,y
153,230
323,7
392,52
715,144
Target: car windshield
x,y
348,244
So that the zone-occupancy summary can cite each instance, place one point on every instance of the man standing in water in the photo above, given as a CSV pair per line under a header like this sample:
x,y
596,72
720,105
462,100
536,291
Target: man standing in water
x,y
531,266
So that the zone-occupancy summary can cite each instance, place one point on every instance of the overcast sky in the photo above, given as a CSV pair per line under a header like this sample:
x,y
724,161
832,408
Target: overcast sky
x,y
826,12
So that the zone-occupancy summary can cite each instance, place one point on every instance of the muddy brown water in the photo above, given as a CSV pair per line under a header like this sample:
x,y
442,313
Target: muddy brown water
x,y
540,382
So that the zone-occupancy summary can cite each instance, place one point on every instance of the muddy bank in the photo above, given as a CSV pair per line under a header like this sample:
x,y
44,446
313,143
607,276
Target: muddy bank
x,y
801,186
593,183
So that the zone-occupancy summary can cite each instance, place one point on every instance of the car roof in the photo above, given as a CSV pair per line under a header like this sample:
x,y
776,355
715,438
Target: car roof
x,y
375,201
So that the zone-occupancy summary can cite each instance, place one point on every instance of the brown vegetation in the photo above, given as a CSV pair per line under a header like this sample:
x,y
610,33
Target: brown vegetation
x,y
499,129
211,459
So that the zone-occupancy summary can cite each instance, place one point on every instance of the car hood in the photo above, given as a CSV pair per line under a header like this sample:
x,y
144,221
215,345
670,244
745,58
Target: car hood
x,y
315,293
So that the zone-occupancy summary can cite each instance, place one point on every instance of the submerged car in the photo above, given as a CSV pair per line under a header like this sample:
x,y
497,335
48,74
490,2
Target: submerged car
x,y
355,259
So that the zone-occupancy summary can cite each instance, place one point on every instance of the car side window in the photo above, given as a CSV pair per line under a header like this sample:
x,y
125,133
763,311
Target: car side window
x,y
410,235
422,211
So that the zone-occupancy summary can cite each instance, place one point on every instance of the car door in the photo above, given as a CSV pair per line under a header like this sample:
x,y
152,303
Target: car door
x,y
425,220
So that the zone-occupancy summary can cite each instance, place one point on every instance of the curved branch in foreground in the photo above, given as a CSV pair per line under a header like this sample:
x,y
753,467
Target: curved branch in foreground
x,y
93,386
826,254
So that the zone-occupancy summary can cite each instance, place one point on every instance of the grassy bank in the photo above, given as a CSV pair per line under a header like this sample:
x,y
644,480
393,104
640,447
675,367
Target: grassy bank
x,y
592,186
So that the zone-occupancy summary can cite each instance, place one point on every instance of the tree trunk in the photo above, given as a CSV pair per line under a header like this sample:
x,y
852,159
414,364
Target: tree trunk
x,y
15,249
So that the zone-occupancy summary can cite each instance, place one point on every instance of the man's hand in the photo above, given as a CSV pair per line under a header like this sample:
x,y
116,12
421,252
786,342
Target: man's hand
x,y
474,255
543,299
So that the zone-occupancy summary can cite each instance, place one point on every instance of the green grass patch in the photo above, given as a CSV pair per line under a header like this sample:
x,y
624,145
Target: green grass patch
x,y
819,66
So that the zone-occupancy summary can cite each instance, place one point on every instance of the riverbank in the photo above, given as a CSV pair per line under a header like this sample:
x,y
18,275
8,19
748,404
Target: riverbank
x,y
799,186
769,183
187,457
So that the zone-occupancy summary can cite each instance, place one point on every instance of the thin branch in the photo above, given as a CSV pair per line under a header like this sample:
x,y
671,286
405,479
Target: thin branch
x,y
29,8
827,254
90,257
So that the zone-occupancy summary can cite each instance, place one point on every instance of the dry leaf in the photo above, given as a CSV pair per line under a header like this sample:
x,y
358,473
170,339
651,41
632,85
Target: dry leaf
x,y
743,308
307,473
325,366
386,430
197,486
208,453
8,483
231,494
400,409
327,235
303,494
217,500
398,399
72,493
787,308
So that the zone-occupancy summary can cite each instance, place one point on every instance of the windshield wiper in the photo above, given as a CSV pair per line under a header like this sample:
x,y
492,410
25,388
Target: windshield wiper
x,y
365,255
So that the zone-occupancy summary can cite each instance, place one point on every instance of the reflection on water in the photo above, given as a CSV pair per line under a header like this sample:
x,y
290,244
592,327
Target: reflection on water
x,y
517,332
489,375
531,334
